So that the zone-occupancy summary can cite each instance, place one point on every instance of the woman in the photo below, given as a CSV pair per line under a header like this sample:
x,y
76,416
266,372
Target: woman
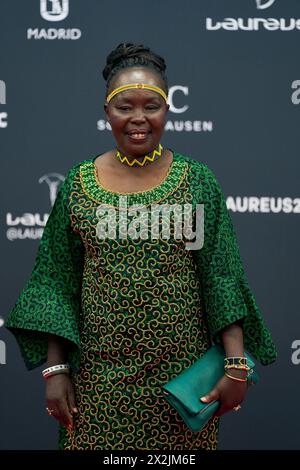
x,y
130,313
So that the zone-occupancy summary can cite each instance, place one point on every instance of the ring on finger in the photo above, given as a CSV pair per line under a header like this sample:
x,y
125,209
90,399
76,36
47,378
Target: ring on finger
x,y
49,411
237,408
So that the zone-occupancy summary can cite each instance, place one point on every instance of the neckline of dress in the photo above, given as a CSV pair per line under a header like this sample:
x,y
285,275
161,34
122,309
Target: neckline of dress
x,y
176,174
128,193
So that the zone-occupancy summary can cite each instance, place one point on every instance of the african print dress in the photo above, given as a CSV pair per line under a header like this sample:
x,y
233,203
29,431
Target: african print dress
x,y
136,311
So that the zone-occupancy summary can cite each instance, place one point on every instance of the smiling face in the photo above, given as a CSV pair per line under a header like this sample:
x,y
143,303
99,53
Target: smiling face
x,y
138,116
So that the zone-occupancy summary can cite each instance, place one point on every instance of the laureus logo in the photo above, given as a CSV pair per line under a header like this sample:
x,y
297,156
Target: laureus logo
x,y
254,24
263,4
29,225
53,180
54,10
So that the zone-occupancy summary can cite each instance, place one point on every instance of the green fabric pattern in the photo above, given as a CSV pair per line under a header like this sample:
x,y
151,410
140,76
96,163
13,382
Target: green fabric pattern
x,y
50,302
136,313
226,292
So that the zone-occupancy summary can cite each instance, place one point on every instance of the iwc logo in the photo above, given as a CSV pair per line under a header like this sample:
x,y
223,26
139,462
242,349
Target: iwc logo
x,y
54,10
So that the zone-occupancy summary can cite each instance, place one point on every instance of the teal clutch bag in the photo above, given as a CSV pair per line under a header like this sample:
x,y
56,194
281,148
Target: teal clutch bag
x,y
184,391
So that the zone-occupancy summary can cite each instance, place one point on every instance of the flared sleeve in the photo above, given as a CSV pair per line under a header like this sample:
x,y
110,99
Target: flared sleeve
x,y
51,300
227,295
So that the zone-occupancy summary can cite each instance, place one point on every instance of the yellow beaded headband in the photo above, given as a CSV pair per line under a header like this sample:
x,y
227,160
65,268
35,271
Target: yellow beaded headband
x,y
139,86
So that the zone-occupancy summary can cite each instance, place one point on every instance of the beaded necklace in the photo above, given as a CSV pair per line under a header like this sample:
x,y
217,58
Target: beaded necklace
x,y
147,159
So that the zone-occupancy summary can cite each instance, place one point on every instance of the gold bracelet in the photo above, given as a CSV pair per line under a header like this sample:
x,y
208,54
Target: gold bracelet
x,y
235,378
237,367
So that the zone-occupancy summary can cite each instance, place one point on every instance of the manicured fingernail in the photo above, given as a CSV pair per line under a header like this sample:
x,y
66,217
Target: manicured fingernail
x,y
203,398
75,410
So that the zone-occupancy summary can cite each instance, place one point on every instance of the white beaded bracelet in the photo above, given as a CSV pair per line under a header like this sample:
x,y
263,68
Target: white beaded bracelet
x,y
58,369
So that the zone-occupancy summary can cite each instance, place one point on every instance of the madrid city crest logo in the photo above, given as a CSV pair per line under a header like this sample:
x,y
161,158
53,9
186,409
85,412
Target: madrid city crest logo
x,y
54,10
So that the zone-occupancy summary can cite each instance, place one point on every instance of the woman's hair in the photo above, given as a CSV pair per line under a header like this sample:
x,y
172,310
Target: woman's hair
x,y
133,55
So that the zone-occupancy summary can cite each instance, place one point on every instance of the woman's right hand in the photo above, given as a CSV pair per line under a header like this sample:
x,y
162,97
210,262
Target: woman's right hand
x,y
60,398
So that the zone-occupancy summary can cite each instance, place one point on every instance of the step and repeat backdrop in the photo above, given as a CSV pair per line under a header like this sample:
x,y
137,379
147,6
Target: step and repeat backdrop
x,y
234,76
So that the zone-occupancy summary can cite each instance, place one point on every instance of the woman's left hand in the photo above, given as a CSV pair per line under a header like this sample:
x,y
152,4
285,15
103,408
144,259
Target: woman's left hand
x,y
230,393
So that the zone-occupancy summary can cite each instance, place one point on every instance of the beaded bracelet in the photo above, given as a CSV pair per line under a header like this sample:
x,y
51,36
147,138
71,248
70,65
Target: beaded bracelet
x,y
235,361
57,369
51,374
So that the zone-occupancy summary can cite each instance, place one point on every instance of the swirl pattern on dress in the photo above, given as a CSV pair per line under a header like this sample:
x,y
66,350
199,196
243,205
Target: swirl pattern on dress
x,y
136,312
141,325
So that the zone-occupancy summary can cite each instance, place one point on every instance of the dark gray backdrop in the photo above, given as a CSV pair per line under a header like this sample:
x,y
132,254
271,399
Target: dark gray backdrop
x,y
242,89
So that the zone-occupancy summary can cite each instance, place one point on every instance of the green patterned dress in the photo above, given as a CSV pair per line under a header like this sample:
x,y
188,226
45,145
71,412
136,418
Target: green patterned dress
x,y
136,312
